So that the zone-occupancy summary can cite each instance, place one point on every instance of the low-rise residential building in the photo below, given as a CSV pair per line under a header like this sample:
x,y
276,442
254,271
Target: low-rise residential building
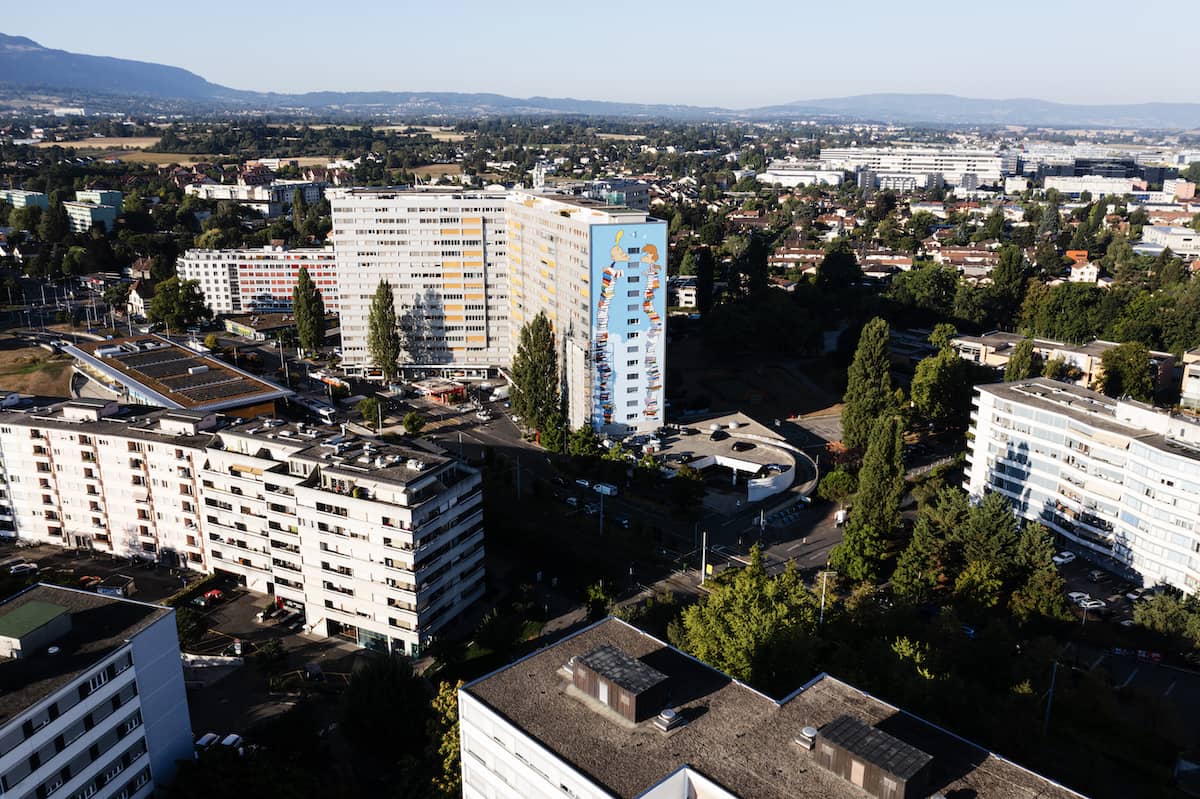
x,y
1119,479
137,302
259,280
378,543
1189,395
790,174
93,700
614,712
952,164
1184,241
621,191
19,198
1084,360
270,200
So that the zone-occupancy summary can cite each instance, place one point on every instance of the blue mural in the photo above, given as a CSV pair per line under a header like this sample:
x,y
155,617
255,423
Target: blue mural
x,y
628,324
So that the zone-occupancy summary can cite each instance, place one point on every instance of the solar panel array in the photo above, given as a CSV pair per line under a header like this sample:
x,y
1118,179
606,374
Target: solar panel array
x,y
169,367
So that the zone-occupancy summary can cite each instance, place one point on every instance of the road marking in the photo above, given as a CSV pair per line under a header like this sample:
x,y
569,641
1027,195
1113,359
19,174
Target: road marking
x,y
1129,679
794,547
1096,662
1170,688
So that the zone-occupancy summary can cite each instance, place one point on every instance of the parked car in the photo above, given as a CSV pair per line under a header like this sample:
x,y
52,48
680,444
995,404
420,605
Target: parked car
x,y
573,501
234,742
623,522
215,595
90,581
1078,596
23,568
1127,623
206,741
607,489
583,482
591,509
1097,576
1093,604
1063,558
1138,594
201,601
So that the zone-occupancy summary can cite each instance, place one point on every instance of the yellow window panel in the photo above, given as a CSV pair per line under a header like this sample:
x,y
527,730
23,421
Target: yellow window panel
x,y
452,285
454,318
472,220
472,231
451,264
450,231
476,339
472,253
473,296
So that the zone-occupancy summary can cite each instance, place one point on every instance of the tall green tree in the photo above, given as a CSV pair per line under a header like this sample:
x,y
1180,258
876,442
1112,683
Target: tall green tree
x,y
178,303
382,689
1024,362
839,269
869,384
383,339
1008,285
876,512
919,567
535,391
1127,372
54,226
881,478
444,741
308,308
942,387
750,623
299,210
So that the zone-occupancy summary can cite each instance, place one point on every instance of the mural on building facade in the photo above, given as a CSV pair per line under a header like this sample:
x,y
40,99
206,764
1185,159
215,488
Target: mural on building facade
x,y
628,325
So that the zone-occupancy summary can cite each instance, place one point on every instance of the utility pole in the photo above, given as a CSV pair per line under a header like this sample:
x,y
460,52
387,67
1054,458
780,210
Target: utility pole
x,y
703,556
824,576
601,514
287,378
1050,698
379,421
518,477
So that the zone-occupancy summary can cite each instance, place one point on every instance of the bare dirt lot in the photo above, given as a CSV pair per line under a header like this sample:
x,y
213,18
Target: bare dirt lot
x,y
106,143
33,370
437,170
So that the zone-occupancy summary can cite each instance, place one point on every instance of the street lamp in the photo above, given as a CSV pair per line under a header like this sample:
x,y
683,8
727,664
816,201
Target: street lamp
x,y
824,575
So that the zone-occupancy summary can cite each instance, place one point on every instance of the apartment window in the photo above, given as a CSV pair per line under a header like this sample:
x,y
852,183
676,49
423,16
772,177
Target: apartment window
x,y
95,682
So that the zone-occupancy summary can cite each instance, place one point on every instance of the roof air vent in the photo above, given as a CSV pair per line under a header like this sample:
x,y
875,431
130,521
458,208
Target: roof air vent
x,y
53,650
806,739
669,720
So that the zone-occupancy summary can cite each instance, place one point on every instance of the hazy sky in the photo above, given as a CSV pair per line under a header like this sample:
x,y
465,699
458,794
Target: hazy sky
x,y
733,54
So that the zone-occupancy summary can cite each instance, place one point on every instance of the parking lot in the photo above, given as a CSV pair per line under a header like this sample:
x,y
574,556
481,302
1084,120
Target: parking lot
x,y
151,582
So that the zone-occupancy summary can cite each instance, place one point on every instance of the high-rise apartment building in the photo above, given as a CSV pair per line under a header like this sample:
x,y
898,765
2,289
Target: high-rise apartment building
x,y
469,269
444,254
598,272
1117,478
94,703
375,542
259,280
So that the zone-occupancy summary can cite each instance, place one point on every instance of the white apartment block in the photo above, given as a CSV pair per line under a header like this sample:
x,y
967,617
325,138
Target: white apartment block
x,y
1096,185
94,702
19,198
445,256
986,166
1116,478
259,280
797,173
82,216
268,200
374,542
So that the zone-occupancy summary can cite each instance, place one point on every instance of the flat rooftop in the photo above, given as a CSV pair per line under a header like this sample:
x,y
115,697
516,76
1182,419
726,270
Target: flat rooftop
x,y
136,421
1090,407
735,736
174,376
100,626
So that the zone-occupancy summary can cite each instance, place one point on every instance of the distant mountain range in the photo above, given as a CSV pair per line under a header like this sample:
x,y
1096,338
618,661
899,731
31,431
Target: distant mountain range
x,y
29,70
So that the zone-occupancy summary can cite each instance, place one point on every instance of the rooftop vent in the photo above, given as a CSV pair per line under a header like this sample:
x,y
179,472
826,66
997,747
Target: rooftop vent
x,y
415,464
806,739
669,720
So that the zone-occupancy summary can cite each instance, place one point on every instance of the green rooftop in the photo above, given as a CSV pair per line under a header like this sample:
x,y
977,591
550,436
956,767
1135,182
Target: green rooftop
x,y
23,620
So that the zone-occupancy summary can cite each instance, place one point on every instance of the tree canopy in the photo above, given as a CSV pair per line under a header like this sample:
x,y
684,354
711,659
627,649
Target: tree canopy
x,y
869,384
177,304
383,339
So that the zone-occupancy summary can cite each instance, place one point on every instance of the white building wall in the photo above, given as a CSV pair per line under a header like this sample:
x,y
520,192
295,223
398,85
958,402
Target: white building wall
x,y
159,674
499,761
